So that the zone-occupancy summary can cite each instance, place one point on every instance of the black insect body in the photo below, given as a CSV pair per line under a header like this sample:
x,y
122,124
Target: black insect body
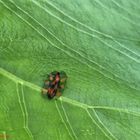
x,y
54,84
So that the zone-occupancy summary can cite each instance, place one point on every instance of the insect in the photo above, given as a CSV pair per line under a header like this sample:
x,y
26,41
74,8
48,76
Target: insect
x,y
54,84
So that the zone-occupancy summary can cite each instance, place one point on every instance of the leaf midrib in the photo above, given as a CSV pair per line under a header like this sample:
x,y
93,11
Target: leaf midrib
x,y
64,99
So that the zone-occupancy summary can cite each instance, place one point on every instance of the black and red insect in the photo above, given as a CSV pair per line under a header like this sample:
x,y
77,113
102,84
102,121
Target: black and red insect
x,y
54,84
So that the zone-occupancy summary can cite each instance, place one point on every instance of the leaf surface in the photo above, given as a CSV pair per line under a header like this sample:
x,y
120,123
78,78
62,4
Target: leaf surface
x,y
96,43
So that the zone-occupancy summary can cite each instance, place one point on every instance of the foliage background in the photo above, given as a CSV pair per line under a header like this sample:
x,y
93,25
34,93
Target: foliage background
x,y
96,42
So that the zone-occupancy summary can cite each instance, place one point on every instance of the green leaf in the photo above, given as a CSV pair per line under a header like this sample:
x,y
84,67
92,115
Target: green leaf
x,y
96,42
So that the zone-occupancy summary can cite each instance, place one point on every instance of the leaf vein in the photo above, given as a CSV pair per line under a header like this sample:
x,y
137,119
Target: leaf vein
x,y
26,114
86,26
67,119
127,19
23,112
98,125
103,124
63,121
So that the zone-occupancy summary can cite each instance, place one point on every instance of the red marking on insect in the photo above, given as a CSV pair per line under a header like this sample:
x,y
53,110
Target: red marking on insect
x,y
54,84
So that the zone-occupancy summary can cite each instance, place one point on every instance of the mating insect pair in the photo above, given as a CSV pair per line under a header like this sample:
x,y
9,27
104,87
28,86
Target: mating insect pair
x,y
54,84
